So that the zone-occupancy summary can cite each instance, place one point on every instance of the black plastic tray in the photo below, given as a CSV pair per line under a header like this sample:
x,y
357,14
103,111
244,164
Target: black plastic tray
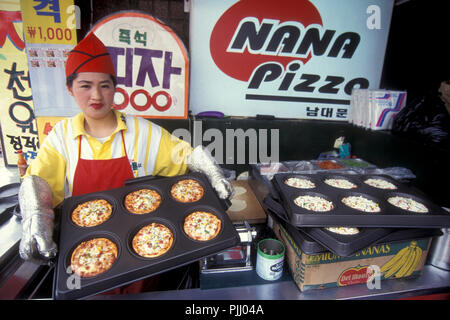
x,y
342,215
318,240
121,227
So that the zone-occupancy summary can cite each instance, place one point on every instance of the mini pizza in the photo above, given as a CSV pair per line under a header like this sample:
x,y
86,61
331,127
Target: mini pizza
x,y
202,225
92,213
340,183
380,184
361,203
407,204
187,190
93,257
153,240
314,203
347,231
142,201
300,183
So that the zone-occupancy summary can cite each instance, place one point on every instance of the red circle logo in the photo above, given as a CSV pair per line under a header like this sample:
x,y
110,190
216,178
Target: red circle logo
x,y
240,65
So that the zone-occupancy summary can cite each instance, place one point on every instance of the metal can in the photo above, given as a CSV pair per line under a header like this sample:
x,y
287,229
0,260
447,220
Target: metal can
x,y
270,259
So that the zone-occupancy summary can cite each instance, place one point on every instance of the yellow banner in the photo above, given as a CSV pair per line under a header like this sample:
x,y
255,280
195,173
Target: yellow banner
x,y
18,124
45,125
50,22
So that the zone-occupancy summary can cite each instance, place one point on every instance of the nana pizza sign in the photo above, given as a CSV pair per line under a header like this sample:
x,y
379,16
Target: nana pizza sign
x,y
151,63
288,58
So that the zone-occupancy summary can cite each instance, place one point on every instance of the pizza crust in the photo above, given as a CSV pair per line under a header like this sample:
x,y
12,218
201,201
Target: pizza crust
x,y
93,257
153,240
361,203
142,201
314,203
187,191
92,213
202,225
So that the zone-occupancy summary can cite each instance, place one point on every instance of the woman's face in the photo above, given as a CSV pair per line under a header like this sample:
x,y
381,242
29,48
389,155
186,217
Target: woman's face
x,y
94,94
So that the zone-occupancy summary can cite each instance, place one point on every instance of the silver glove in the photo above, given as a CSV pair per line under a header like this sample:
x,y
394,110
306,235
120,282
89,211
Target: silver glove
x,y
35,200
200,160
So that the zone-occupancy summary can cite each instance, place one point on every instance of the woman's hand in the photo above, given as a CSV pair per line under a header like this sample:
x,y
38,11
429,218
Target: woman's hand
x,y
200,160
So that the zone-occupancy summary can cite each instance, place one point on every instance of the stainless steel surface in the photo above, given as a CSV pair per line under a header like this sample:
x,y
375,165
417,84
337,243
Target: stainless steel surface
x,y
440,251
217,263
433,280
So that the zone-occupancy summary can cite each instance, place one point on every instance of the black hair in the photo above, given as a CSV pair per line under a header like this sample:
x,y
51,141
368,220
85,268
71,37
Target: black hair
x,y
73,76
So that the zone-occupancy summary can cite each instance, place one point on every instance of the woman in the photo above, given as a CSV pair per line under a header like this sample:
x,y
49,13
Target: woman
x,y
96,150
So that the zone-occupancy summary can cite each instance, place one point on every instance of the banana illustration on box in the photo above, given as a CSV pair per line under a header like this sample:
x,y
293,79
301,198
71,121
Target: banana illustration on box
x,y
404,262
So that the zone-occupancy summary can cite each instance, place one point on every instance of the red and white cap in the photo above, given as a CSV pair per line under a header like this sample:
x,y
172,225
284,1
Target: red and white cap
x,y
89,55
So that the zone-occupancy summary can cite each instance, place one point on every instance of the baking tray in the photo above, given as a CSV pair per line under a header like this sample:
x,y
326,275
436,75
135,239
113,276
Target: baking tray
x,y
122,226
342,245
319,240
342,215
303,237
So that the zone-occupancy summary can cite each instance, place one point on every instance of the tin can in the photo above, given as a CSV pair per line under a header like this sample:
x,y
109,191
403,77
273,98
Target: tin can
x,y
270,259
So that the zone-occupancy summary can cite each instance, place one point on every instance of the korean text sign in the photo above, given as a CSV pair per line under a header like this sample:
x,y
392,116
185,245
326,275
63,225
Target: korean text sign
x,y
288,58
151,64
17,121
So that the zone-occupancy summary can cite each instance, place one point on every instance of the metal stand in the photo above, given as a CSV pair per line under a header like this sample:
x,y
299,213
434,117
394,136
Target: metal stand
x,y
234,259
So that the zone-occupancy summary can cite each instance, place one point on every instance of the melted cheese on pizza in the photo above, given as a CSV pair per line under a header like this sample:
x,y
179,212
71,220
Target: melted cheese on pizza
x,y
361,203
343,230
380,183
314,203
142,201
300,183
340,183
201,225
92,213
152,240
408,204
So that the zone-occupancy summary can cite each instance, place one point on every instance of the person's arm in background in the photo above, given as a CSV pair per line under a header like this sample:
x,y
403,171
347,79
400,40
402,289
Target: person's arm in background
x,y
444,90
182,157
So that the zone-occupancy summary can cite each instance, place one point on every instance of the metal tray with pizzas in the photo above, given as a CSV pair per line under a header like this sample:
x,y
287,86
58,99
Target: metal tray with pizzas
x,y
314,241
123,225
372,204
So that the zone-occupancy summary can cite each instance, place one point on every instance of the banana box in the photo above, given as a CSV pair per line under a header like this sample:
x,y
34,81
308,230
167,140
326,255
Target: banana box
x,y
392,260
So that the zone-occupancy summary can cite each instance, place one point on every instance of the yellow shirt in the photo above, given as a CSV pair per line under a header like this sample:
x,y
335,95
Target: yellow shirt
x,y
151,150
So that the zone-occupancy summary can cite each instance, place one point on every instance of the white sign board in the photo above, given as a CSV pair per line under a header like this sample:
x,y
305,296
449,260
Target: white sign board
x,y
151,63
287,58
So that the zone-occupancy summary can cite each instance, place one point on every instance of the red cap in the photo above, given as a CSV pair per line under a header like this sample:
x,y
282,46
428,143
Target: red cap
x,y
90,55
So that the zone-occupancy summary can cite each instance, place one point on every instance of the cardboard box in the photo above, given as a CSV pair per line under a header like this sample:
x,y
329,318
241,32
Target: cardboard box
x,y
326,270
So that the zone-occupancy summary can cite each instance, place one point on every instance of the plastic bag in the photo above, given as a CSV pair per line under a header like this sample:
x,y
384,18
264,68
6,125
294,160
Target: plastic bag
x,y
425,118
